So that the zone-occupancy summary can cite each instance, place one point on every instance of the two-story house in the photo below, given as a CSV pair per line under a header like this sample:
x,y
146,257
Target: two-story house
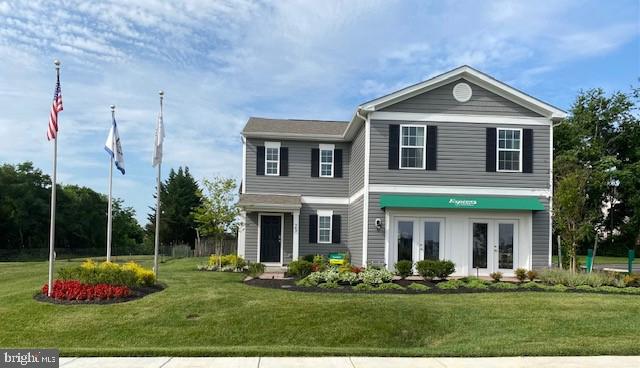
x,y
457,167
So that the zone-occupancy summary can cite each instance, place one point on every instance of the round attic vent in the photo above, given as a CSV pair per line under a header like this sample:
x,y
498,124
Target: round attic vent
x,y
462,92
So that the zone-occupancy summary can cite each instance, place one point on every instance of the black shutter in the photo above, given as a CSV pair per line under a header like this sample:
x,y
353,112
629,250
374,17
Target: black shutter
x,y
313,229
394,146
284,161
491,150
315,162
337,163
335,229
527,150
432,148
260,161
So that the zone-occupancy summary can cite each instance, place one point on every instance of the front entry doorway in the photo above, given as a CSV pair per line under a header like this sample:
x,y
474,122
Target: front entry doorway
x,y
419,238
270,239
493,245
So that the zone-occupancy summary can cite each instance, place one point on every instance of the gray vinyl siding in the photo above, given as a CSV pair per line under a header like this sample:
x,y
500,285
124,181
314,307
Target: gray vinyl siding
x,y
540,241
461,158
313,248
375,238
441,101
355,230
356,169
251,237
299,180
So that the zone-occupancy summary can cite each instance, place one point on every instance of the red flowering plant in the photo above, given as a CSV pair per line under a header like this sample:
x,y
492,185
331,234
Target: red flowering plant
x,y
74,290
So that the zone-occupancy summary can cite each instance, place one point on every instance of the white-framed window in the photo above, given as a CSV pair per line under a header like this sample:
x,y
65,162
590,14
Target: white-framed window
x,y
325,221
272,158
326,160
509,157
413,139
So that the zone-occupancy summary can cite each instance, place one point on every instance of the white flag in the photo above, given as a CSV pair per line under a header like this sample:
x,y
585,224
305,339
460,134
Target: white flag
x,y
112,145
157,149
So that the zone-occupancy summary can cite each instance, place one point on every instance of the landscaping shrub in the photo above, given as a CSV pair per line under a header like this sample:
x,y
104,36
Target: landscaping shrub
x,y
356,269
299,269
607,289
328,285
504,285
331,275
373,276
390,286
308,281
632,279
144,276
429,269
496,276
451,284
255,269
319,263
75,290
521,274
584,287
308,258
89,272
532,285
418,287
350,278
404,268
445,269
558,288
531,275
363,287
567,278
476,283
229,262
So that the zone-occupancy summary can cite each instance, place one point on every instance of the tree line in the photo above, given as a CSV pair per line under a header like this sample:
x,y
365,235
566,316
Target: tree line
x,y
81,216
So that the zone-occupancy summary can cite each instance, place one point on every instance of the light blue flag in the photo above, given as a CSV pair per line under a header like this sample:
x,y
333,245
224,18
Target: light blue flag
x,y
113,145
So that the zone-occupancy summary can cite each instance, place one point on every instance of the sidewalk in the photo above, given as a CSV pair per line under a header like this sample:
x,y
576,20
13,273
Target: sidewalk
x,y
355,362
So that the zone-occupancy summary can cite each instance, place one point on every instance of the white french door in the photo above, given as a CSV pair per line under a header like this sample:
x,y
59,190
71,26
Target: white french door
x,y
418,238
494,245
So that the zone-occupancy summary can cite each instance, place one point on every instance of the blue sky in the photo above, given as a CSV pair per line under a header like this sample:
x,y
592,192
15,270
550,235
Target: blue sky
x,y
220,62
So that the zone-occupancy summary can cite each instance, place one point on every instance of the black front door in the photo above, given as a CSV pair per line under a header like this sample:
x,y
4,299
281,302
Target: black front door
x,y
270,227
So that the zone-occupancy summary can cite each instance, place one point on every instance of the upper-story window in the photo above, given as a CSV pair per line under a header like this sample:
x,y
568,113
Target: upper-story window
x,y
325,226
326,160
272,158
509,150
412,146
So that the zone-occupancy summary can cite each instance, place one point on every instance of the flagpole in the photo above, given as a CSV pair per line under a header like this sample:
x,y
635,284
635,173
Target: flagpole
x,y
157,240
109,216
52,224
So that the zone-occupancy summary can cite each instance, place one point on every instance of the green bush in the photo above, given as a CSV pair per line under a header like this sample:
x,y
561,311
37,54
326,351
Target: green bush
x,y
570,279
307,282
451,284
308,258
532,274
558,287
350,278
607,289
632,279
404,268
299,269
445,269
504,285
373,276
631,290
255,269
496,276
363,287
429,269
89,272
390,286
418,287
231,262
532,286
521,274
329,285
475,283
584,288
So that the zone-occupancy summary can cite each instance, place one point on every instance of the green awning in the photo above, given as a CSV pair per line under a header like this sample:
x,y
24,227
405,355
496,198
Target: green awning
x,y
461,202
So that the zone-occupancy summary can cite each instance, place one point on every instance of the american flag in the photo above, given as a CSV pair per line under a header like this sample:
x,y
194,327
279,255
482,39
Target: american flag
x,y
56,107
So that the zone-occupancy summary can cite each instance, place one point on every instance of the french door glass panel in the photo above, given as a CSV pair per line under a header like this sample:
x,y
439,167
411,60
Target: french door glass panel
x,y
432,240
405,240
480,244
505,245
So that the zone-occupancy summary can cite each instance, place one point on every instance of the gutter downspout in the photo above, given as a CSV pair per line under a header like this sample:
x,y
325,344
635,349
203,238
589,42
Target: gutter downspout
x,y
365,198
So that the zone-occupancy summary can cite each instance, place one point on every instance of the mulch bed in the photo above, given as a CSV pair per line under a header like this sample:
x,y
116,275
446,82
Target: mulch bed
x,y
289,285
136,293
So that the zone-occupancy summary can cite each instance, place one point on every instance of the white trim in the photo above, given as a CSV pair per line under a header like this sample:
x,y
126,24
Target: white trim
x,y
329,214
475,77
327,147
387,236
458,118
296,235
242,234
355,196
244,164
550,201
424,146
365,193
260,214
325,200
267,146
498,149
429,189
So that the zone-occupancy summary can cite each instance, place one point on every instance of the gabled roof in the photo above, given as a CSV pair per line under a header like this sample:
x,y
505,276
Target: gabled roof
x,y
481,79
289,128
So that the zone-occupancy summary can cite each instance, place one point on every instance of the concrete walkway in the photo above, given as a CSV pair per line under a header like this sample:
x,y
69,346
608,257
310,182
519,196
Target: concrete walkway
x,y
355,362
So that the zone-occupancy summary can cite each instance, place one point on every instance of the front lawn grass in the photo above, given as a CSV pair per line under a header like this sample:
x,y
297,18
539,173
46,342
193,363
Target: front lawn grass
x,y
210,313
